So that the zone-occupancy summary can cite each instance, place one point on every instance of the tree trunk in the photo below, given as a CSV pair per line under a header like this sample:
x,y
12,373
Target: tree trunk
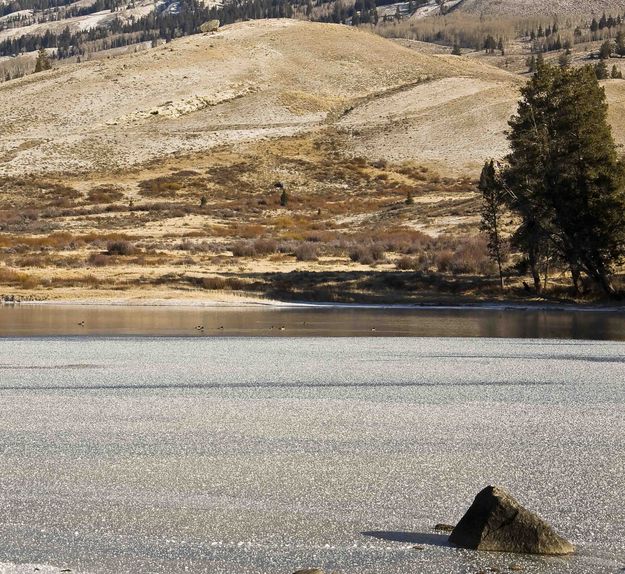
x,y
606,284
501,284
576,276
600,275
533,261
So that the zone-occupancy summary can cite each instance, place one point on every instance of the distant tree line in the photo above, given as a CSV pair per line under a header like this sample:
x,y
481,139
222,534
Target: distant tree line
x,y
35,5
165,25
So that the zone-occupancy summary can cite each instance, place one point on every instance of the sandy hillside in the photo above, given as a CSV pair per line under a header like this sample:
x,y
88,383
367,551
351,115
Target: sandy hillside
x,y
541,7
251,80
258,80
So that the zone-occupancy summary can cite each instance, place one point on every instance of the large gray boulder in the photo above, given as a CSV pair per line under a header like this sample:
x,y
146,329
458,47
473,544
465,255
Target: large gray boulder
x,y
210,26
496,522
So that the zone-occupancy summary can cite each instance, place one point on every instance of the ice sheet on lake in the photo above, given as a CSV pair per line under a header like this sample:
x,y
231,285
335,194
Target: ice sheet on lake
x,y
266,455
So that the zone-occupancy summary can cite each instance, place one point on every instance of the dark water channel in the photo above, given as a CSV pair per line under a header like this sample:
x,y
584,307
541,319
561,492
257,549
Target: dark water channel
x,y
303,321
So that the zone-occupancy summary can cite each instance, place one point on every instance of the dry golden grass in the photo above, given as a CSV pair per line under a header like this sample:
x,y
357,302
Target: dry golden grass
x,y
189,199
128,230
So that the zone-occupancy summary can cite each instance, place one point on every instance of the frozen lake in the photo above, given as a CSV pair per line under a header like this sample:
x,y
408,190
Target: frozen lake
x,y
238,455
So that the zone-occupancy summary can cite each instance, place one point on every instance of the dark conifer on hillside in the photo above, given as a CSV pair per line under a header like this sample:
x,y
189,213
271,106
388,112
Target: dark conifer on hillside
x,y
601,70
43,63
494,201
564,176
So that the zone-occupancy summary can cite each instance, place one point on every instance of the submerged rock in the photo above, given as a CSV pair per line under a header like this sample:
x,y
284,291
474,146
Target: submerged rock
x,y
496,522
309,571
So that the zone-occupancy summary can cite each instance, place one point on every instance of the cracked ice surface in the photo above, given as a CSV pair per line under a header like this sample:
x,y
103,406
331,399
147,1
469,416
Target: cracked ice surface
x,y
267,455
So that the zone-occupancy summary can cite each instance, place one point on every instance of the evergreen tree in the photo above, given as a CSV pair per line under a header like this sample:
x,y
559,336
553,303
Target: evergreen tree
x,y
42,63
284,198
605,51
620,44
564,173
490,44
564,59
493,208
601,70
540,61
603,23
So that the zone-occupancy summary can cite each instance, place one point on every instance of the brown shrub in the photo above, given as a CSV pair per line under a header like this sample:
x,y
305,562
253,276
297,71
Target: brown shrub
x,y
306,251
104,194
33,260
405,263
367,253
421,263
98,260
471,256
120,248
265,246
160,187
246,231
443,260
243,249
217,283
89,280
58,240
15,278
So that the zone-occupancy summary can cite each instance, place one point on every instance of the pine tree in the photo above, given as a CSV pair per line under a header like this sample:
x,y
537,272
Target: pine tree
x,y
616,73
564,173
605,52
490,44
42,63
540,61
603,23
493,208
284,198
594,25
601,70
620,44
564,59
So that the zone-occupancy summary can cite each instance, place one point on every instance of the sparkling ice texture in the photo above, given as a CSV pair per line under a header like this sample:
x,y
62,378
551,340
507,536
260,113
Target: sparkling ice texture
x,y
265,455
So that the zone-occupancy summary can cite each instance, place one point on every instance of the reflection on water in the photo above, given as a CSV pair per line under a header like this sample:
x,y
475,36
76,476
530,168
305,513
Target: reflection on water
x,y
50,320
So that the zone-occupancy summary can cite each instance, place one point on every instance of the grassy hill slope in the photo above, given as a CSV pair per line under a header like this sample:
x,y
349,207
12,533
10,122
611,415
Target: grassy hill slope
x,y
251,80
160,174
